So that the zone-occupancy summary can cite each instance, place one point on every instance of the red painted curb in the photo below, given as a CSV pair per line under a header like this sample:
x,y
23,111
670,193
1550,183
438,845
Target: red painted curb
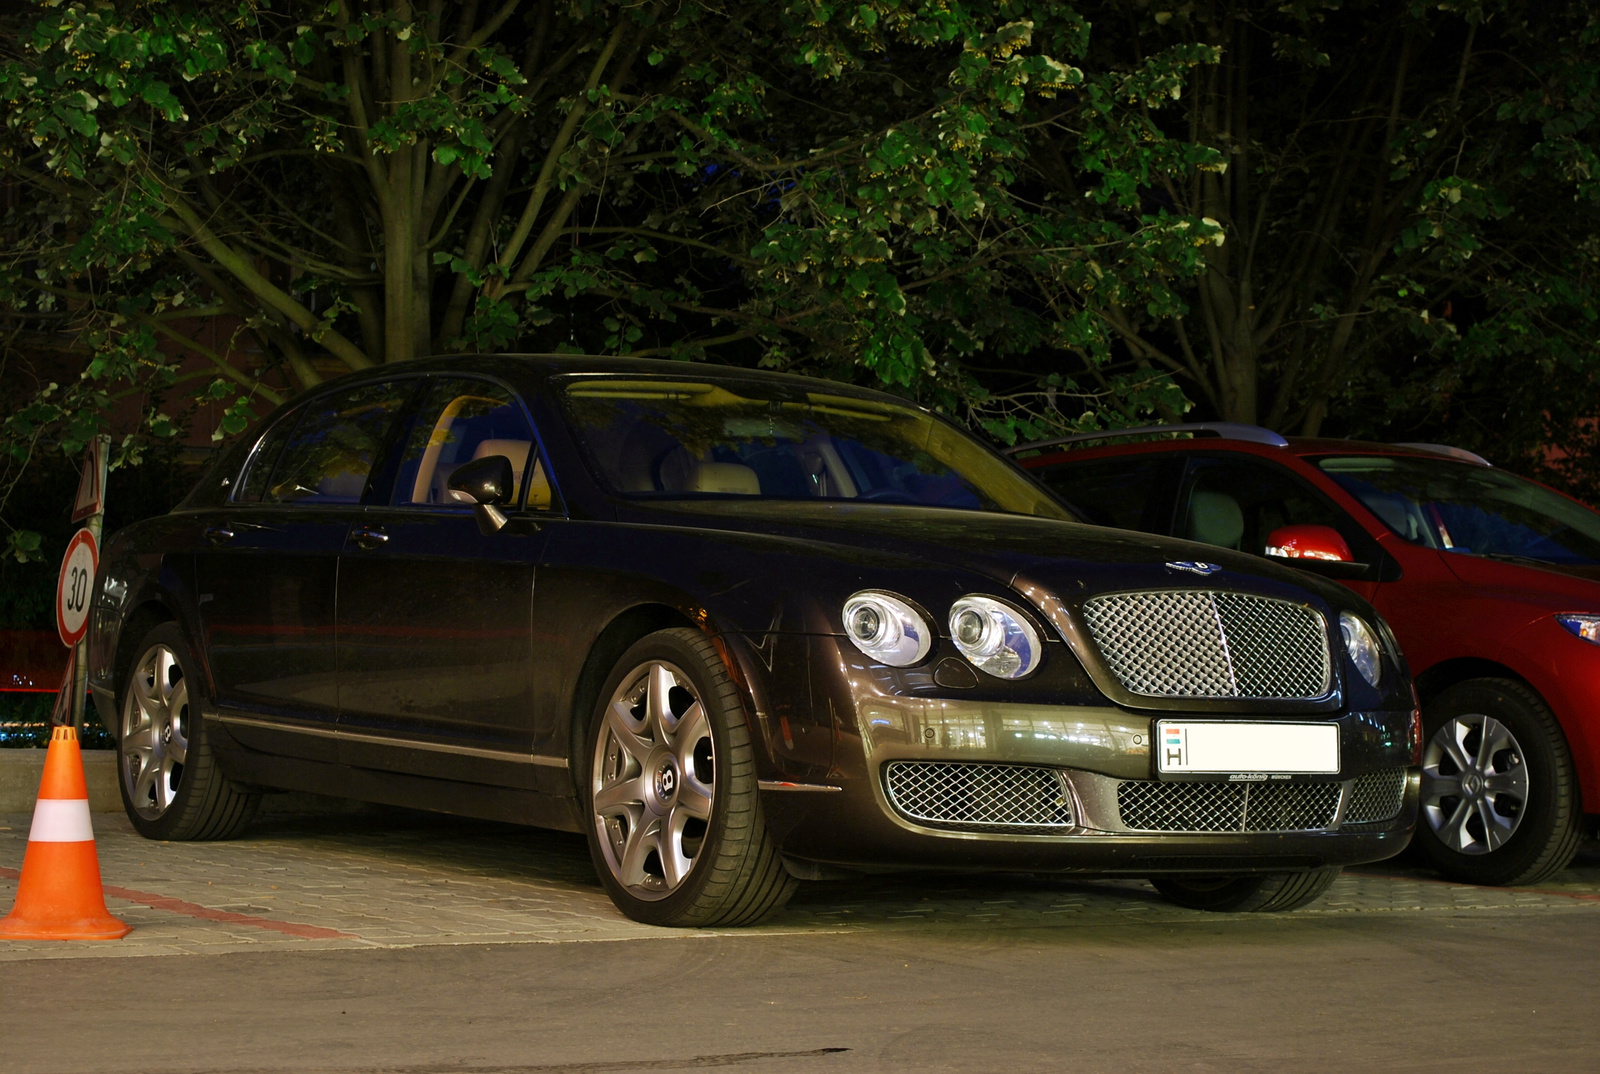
x,y
205,913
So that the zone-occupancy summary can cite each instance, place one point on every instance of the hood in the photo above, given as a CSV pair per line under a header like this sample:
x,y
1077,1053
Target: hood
x,y
1559,587
1072,559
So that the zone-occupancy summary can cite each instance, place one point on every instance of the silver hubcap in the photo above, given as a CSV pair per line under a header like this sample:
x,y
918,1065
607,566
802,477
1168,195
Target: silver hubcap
x,y
1474,784
155,733
654,781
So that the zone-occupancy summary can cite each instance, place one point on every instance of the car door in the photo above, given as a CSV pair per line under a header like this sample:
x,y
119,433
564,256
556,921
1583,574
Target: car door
x,y
1234,500
267,568
434,614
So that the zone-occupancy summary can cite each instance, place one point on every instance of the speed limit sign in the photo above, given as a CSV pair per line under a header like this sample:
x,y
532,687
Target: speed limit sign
x,y
72,588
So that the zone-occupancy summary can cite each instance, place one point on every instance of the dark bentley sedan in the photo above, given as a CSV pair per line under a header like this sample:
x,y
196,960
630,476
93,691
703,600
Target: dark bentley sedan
x,y
737,629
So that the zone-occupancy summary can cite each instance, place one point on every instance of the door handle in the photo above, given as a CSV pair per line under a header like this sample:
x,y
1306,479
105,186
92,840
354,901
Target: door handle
x,y
217,535
368,537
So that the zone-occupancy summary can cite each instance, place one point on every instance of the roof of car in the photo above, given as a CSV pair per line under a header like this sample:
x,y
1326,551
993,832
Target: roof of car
x,y
557,365
1226,436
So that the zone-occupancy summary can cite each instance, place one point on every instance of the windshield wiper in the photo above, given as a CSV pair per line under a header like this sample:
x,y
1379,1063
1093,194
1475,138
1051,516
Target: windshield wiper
x,y
1512,557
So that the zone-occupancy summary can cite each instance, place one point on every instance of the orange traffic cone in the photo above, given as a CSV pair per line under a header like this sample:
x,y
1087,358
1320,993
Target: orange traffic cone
x,y
59,896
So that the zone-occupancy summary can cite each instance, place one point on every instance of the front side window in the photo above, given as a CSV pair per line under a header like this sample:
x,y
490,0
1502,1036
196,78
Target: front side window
x,y
330,454
1239,502
1461,507
462,420
662,438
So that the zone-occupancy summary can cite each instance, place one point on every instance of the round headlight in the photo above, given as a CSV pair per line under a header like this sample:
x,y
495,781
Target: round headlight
x,y
886,628
1362,645
995,637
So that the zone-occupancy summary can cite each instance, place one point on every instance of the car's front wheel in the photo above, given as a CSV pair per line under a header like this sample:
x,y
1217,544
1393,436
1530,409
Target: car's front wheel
x,y
1499,794
1266,893
675,826
171,785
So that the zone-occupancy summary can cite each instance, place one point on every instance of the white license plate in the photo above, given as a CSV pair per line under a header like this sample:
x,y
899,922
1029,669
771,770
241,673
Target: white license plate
x,y
1200,747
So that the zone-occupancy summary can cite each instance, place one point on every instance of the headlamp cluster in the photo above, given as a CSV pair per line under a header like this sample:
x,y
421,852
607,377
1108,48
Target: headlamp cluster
x,y
994,636
1361,645
1586,627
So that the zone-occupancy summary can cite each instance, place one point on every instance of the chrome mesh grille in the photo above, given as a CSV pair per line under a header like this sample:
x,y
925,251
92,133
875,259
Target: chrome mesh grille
x,y
1150,806
979,797
1376,796
1195,643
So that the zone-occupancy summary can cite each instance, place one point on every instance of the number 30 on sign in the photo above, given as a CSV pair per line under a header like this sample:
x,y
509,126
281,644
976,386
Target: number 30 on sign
x,y
74,586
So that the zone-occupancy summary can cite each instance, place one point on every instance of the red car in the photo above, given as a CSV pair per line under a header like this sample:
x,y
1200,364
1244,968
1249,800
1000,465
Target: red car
x,y
1490,582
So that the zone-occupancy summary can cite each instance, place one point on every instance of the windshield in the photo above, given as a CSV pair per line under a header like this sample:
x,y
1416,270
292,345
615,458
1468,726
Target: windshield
x,y
1472,509
663,438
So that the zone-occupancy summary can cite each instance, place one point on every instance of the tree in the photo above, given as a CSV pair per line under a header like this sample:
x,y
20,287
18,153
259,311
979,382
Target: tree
x,y
1409,199
1037,215
845,191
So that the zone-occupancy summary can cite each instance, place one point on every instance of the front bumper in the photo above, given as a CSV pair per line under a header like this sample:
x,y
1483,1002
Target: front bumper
x,y
1111,816
857,827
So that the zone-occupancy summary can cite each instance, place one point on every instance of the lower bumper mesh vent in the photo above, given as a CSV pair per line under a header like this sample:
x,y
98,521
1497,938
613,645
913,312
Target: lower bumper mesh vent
x,y
1149,806
979,797
1376,796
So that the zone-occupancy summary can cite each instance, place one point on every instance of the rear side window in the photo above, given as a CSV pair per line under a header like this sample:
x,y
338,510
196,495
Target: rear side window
x,y
258,470
462,420
329,456
1130,492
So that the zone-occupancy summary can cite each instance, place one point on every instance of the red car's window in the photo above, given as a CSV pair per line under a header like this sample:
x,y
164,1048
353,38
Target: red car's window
x,y
1132,492
1237,502
1461,507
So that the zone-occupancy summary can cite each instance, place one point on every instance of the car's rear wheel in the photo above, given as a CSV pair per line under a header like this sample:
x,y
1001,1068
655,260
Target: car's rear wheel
x,y
171,785
675,826
1266,893
1499,795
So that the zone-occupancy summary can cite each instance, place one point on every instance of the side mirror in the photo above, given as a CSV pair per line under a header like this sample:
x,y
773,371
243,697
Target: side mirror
x,y
1309,542
484,483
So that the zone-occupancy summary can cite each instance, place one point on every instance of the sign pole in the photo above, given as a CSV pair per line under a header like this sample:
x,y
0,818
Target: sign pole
x,y
89,508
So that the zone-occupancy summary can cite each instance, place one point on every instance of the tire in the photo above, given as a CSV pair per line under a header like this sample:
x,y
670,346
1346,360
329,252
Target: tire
x,y
669,789
1499,795
1267,893
171,785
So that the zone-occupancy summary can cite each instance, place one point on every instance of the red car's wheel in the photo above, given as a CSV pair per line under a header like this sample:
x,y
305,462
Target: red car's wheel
x,y
1499,795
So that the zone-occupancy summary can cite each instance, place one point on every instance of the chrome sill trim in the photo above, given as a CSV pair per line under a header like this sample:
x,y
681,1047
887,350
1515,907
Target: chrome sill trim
x,y
399,743
785,785
274,725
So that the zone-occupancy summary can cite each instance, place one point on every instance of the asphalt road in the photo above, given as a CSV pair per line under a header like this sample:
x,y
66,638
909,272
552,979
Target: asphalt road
x,y
525,969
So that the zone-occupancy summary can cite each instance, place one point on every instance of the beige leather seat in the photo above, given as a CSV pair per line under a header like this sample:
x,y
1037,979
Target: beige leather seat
x,y
727,478
1215,518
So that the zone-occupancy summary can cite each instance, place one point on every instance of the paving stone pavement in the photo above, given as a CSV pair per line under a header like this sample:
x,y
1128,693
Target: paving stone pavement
x,y
378,878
